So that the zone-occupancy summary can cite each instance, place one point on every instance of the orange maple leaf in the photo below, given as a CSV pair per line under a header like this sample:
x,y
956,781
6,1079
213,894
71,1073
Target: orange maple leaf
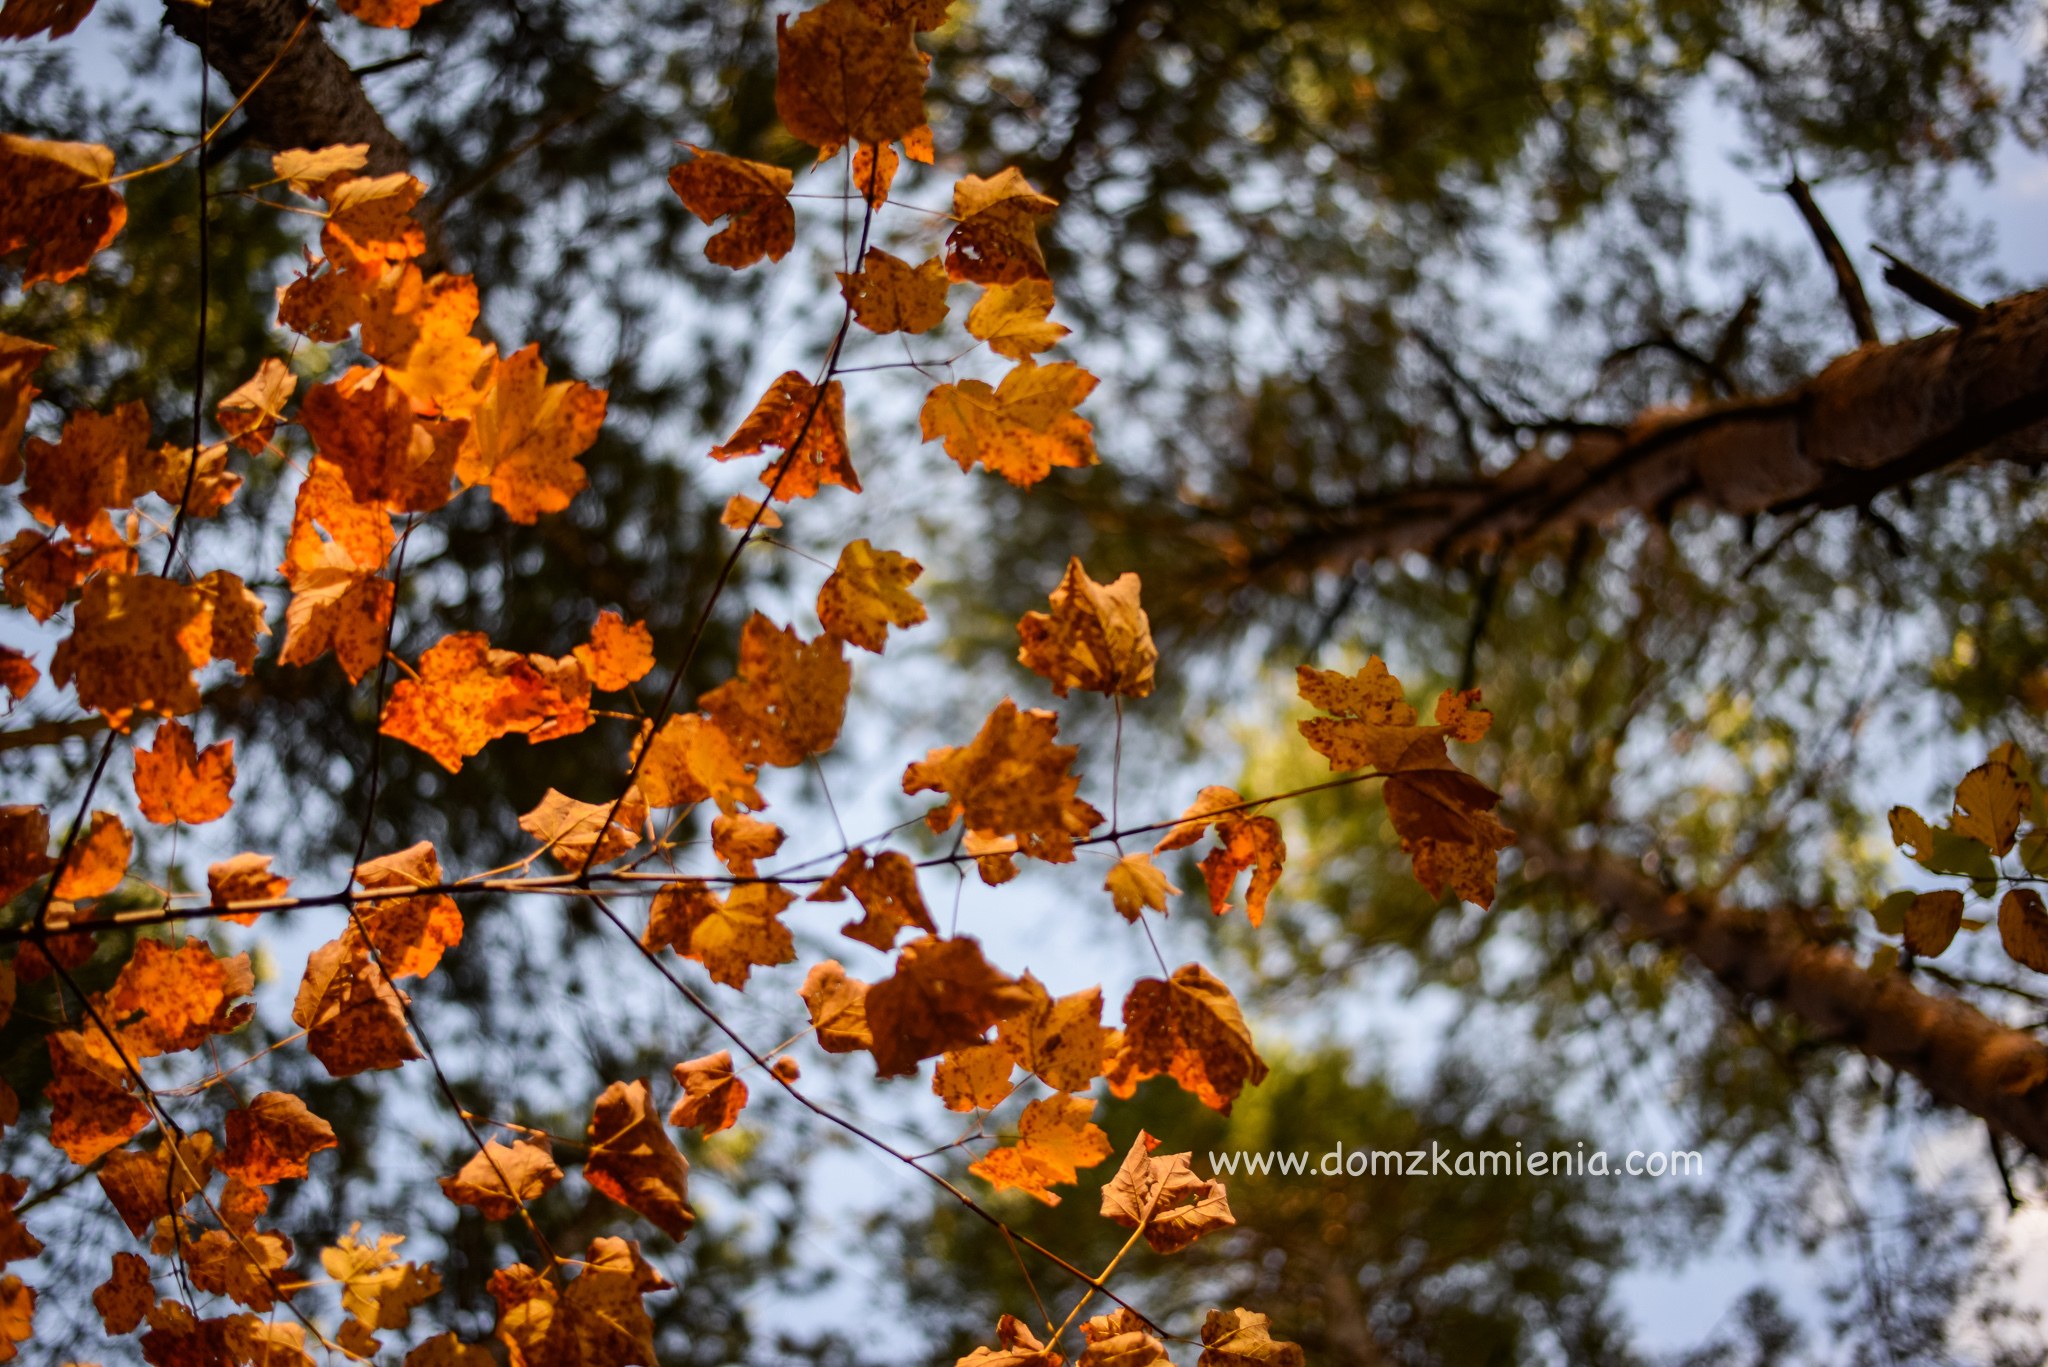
x,y
787,701
467,694
845,77
1096,637
526,437
752,194
1188,1027
1022,429
996,239
1010,780
58,205
175,781
809,425
632,1160
943,995
712,1097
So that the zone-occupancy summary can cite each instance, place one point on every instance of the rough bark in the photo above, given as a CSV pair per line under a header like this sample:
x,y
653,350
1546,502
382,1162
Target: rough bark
x,y
310,99
1958,1053
1876,418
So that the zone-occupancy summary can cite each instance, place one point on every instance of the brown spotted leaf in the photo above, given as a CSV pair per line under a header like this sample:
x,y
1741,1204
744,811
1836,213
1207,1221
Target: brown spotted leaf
x,y
1189,1028
632,1160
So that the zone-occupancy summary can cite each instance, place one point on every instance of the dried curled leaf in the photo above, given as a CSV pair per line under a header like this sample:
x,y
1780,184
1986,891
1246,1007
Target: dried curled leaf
x,y
712,1097
632,1160
752,195
1189,1028
1243,1338
996,239
1096,637
1162,1195
1021,1348
838,1007
888,894
1121,1339
502,1177
868,593
578,834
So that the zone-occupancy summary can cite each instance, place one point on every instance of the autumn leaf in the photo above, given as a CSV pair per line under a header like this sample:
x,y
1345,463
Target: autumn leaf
x,y
578,834
691,759
1932,921
91,1109
787,701
838,1007
1012,319
59,206
619,655
24,848
242,1266
742,513
202,486
1443,815
386,13
888,294
596,1320
1010,780
126,1295
753,195
943,995
995,241
1135,883
1243,1338
975,1078
99,461
1162,1196
19,360
39,572
332,556
378,1288
632,1160
18,674
886,888
364,425
467,694
1244,841
1121,1339
1021,1348
2023,928
729,935
1022,429
421,328
526,436
809,425
16,1243
1054,1141
739,841
1189,1028
1060,1041
175,781
1096,637
25,18
1989,803
305,170
410,934
501,1177
272,1138
844,77
252,410
369,223
243,878
353,1017
135,641
237,619
1459,713
98,860
868,593
712,1097
169,999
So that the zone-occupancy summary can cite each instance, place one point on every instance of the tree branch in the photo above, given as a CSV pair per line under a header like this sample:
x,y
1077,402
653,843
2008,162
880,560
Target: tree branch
x,y
1959,1054
311,99
1874,419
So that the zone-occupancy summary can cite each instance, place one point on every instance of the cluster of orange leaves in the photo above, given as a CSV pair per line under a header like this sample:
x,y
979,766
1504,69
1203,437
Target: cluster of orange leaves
x,y
437,412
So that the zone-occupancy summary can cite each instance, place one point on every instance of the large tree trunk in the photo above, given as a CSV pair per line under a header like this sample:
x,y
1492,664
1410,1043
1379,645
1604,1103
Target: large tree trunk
x,y
309,99
1873,420
1958,1053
